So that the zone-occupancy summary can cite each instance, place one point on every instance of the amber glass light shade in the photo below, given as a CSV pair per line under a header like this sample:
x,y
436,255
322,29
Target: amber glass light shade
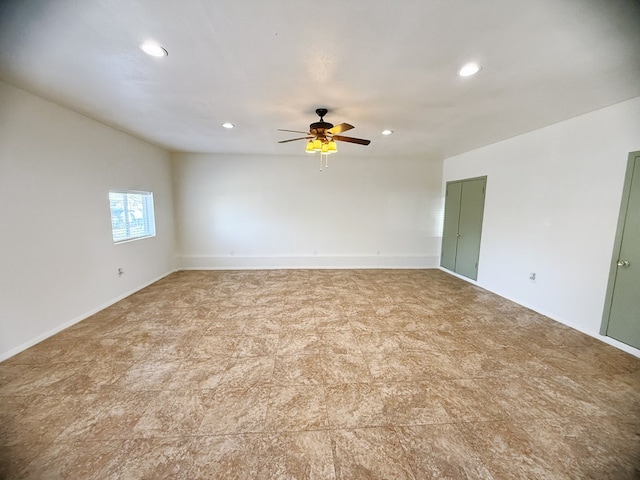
x,y
309,148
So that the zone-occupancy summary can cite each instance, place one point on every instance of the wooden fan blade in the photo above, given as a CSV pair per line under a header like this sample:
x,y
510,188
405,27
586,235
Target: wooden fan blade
x,y
293,139
294,131
359,141
343,127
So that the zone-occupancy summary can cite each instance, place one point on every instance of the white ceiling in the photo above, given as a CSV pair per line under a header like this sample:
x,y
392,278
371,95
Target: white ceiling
x,y
376,64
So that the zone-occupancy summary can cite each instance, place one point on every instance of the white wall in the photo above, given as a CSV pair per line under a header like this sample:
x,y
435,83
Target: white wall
x,y
552,204
236,211
58,262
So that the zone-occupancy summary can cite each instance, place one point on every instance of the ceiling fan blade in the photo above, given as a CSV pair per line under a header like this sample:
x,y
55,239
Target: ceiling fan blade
x,y
359,141
293,139
343,127
294,131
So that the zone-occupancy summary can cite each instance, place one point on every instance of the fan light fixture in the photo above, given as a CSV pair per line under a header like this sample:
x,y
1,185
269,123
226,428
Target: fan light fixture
x,y
322,137
324,146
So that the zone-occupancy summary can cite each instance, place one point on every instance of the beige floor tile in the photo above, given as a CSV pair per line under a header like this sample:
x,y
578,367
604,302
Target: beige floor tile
x,y
225,314
340,342
412,404
38,379
295,408
332,323
468,400
173,413
365,320
232,457
214,346
9,372
247,372
15,460
299,343
568,398
348,368
111,415
40,418
300,320
157,458
520,398
409,367
303,455
77,459
380,342
355,405
235,410
366,453
603,447
257,345
147,375
618,391
298,370
147,348
198,374
263,324
93,376
509,451
606,359
420,340
440,451
319,374
227,326
15,419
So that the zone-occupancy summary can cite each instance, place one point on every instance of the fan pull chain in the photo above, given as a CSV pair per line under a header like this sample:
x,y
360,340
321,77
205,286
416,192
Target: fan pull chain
x,y
326,161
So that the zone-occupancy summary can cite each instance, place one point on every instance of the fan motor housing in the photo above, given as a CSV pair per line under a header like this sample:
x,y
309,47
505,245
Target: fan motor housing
x,y
318,128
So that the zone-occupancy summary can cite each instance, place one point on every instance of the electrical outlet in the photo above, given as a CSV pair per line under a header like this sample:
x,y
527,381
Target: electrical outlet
x,y
120,272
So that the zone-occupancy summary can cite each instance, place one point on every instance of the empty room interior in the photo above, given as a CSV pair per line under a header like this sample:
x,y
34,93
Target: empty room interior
x,y
347,240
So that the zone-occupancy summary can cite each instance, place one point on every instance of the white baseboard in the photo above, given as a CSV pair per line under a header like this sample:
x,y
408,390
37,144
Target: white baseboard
x,y
205,262
611,341
14,351
256,263
462,277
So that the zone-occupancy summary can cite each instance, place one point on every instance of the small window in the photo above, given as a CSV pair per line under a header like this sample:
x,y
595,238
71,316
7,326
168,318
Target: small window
x,y
131,215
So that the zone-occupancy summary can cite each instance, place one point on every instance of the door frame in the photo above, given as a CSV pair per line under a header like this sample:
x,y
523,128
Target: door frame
x,y
617,244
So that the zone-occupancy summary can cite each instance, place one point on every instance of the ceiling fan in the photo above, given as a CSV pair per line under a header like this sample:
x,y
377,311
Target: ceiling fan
x,y
323,135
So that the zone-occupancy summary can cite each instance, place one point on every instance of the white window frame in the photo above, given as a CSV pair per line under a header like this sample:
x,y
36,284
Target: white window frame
x,y
130,224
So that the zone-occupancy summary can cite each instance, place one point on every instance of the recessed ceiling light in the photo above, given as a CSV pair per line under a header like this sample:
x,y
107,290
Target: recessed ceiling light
x,y
153,49
228,125
387,132
469,69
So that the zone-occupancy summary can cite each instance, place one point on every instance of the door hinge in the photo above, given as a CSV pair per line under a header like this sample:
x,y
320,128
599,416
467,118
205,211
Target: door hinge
x,y
476,265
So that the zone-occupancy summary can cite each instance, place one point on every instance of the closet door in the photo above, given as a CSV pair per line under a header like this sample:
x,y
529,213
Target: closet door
x,y
621,319
470,227
464,210
450,230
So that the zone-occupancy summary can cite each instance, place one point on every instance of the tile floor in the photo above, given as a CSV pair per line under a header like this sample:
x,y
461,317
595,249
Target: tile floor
x,y
317,374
